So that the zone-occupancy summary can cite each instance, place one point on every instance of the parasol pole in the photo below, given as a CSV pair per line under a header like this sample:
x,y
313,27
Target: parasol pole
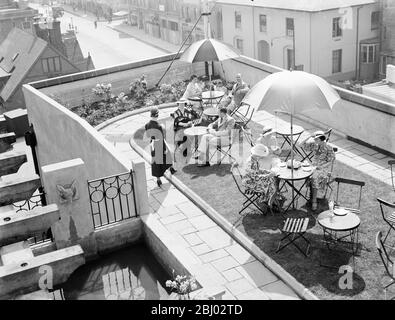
x,y
207,32
292,158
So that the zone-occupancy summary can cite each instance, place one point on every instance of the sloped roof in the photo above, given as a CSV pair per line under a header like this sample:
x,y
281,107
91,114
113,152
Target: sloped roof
x,y
299,5
28,49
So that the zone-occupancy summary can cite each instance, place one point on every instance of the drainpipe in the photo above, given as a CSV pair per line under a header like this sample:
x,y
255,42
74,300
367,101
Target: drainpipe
x,y
357,60
311,45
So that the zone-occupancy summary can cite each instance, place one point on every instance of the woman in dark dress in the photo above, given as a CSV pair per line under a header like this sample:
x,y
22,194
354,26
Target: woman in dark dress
x,y
161,155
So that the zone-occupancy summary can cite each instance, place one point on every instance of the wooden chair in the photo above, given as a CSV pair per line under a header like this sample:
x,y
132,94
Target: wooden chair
x,y
343,181
294,229
388,214
386,260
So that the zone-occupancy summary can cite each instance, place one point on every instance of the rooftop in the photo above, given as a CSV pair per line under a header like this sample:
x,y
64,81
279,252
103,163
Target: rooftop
x,y
299,5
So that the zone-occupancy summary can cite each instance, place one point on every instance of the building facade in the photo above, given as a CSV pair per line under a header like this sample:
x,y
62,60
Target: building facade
x,y
332,42
15,14
387,54
25,58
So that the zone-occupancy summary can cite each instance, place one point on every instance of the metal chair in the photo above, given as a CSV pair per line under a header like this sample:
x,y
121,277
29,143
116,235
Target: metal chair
x,y
250,195
294,229
242,115
224,150
349,182
388,215
386,260
247,134
330,180
392,166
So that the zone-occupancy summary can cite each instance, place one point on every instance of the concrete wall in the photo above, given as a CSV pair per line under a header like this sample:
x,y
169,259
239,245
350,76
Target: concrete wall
x,y
62,135
118,235
74,93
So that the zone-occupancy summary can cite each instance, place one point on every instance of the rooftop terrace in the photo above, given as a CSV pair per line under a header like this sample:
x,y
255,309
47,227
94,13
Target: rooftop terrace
x,y
364,128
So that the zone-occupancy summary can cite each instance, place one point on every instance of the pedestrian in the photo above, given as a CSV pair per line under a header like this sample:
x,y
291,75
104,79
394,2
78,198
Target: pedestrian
x,y
95,24
162,158
75,29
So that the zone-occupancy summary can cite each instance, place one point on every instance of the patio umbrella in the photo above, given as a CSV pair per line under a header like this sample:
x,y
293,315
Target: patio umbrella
x,y
208,50
293,92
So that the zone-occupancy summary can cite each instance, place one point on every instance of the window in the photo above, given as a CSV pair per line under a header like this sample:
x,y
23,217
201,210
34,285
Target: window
x,y
239,44
237,20
262,22
375,20
290,59
336,61
164,23
336,28
15,56
369,53
51,64
12,69
173,26
289,27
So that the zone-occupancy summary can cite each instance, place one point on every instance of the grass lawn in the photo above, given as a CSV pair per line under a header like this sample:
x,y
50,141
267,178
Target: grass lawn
x,y
215,185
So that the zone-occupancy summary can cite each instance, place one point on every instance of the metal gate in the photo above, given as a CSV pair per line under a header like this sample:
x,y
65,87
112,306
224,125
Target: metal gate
x,y
112,199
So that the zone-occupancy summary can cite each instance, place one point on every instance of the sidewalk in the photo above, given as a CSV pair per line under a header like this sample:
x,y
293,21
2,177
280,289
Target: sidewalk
x,y
120,26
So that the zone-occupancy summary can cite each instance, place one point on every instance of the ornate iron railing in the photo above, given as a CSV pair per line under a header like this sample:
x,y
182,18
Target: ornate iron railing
x,y
112,199
37,200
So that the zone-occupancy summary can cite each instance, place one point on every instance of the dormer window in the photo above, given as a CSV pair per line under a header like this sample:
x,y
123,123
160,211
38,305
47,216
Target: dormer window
x,y
12,69
15,56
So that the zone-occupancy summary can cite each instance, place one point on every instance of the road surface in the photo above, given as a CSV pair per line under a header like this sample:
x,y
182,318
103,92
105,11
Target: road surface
x,y
106,46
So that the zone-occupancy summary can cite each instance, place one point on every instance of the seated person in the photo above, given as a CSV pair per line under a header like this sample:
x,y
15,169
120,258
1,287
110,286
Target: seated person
x,y
183,118
258,175
220,87
268,138
237,94
219,133
322,161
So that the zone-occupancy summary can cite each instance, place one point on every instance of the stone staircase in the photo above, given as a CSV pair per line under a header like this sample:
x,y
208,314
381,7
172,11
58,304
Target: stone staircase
x,y
23,261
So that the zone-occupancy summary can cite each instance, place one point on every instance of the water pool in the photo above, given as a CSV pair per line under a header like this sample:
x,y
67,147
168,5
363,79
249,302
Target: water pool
x,y
132,273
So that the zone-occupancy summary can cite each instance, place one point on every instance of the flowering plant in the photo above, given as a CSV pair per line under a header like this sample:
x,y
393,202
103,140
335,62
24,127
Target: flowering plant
x,y
183,285
103,91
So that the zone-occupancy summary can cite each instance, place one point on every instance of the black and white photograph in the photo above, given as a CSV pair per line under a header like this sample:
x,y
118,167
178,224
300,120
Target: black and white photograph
x,y
197,154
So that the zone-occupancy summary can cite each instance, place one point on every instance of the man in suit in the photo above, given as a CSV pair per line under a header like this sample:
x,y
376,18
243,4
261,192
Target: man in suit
x,y
218,133
237,94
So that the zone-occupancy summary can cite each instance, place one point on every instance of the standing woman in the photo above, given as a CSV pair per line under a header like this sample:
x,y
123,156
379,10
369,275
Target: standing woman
x,y
160,152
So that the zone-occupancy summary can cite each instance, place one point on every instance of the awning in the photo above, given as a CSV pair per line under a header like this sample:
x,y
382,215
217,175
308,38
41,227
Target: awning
x,y
4,74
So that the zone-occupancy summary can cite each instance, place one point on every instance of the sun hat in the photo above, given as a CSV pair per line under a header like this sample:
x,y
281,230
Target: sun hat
x,y
318,134
154,112
182,100
260,150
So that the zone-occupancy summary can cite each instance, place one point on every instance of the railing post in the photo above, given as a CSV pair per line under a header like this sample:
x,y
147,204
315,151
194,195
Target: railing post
x,y
140,187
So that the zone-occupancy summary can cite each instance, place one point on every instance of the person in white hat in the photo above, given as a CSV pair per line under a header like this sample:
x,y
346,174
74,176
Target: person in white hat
x,y
323,156
268,138
258,175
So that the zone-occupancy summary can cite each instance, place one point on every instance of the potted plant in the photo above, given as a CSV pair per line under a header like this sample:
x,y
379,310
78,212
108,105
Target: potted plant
x,y
182,285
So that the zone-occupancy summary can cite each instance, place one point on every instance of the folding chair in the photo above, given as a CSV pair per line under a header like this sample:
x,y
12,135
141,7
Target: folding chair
x,y
330,180
386,260
310,154
224,150
247,134
294,229
250,195
388,213
242,115
342,181
392,166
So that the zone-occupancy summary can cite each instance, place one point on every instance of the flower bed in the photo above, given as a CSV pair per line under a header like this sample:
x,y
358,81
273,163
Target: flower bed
x,y
109,105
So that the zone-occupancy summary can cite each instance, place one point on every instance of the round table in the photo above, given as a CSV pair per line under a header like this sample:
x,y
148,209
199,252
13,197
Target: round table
x,y
196,132
285,132
285,173
332,224
209,97
212,114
